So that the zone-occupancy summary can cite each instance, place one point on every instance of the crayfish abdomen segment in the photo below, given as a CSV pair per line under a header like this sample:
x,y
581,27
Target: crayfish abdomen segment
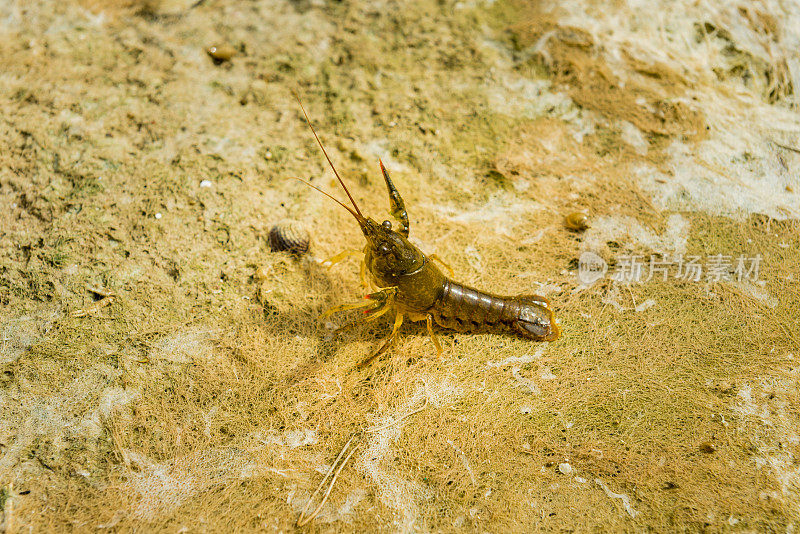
x,y
464,308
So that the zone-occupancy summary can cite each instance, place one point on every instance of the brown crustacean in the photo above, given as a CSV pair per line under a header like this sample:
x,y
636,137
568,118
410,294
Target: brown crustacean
x,y
414,287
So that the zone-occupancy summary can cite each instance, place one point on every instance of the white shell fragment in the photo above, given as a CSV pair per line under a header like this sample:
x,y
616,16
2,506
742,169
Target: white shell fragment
x,y
290,236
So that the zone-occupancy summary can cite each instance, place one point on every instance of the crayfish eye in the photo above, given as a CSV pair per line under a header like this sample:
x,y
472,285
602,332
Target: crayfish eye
x,y
387,225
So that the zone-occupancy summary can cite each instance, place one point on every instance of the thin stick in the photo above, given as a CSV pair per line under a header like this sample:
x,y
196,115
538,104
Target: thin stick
x,y
333,466
302,520
100,291
328,492
387,425
93,308
787,147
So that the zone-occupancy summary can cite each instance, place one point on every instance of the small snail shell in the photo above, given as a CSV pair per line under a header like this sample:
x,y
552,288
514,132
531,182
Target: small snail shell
x,y
289,236
220,53
577,220
707,447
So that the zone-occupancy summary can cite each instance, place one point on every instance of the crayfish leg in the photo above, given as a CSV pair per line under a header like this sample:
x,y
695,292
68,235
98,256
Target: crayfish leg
x,y
372,314
377,304
429,321
351,252
398,321
362,272
347,307
340,257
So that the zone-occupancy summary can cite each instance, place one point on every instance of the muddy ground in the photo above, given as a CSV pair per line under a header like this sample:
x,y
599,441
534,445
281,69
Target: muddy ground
x,y
163,370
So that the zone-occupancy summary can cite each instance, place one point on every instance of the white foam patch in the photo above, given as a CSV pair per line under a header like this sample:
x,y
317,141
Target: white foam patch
x,y
464,461
516,96
627,230
290,438
518,360
498,213
524,382
18,334
163,487
187,346
347,509
114,399
611,300
378,149
756,292
634,137
474,258
328,513
626,501
75,412
547,374
770,407
725,179
736,170
665,31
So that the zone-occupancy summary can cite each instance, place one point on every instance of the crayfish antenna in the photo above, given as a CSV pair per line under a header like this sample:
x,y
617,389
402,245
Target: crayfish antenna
x,y
359,216
327,195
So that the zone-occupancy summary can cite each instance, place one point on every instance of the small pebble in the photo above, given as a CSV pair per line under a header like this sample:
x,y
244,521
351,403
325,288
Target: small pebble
x,y
564,468
158,215
205,183
220,53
